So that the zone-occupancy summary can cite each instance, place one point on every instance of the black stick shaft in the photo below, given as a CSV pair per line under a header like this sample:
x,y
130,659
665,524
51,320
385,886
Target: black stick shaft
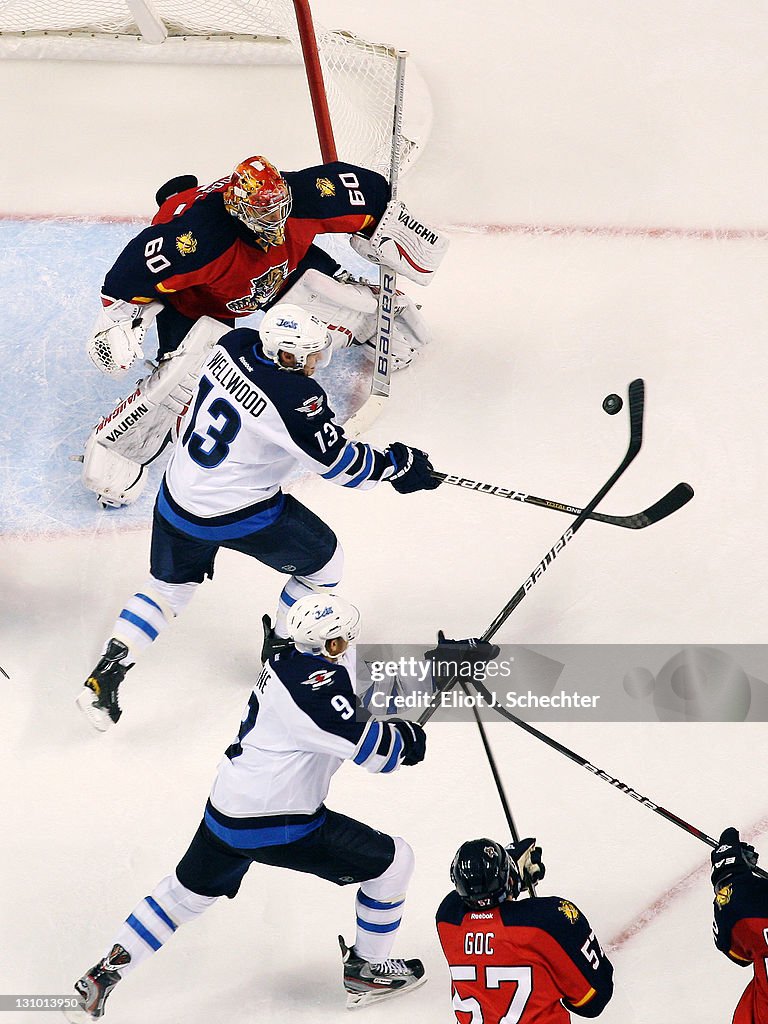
x,y
680,495
636,410
595,770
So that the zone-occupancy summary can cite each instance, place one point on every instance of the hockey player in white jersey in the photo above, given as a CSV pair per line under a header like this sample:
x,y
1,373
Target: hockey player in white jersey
x,y
267,805
256,415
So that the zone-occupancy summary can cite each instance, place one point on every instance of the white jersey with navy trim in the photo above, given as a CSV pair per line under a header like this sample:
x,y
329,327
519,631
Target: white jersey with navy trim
x,y
300,725
248,427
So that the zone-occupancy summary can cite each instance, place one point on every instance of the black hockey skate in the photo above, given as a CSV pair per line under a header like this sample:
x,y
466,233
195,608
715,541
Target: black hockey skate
x,y
367,983
94,987
98,700
273,643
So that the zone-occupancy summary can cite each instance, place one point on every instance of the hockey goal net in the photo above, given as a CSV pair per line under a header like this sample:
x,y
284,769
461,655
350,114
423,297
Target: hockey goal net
x,y
356,87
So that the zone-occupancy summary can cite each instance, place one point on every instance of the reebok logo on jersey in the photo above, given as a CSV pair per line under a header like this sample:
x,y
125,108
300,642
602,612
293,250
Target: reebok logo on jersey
x,y
311,406
323,677
476,917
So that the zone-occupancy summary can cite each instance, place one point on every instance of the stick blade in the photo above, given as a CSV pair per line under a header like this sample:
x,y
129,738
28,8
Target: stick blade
x,y
636,413
671,502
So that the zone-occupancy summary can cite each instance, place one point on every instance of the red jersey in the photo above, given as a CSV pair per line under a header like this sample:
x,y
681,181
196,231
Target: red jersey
x,y
741,932
526,962
202,261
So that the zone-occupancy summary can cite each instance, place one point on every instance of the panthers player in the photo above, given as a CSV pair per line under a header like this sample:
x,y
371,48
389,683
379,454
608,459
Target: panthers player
x,y
741,921
256,416
267,805
532,960
236,247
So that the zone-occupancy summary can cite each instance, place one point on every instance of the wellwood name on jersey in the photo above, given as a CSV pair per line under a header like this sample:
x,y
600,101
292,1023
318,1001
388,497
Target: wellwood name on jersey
x,y
238,387
417,227
621,785
547,560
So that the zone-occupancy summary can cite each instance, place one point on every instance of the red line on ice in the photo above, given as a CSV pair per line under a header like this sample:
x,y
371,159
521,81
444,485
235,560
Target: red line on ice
x,y
681,886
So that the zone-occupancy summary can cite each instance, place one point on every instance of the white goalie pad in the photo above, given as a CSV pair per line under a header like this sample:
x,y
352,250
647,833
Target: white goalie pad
x,y
405,245
349,309
141,425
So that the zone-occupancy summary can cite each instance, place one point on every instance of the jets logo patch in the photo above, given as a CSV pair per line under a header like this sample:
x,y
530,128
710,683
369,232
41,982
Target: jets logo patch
x,y
723,895
325,187
569,910
186,243
323,677
263,288
311,406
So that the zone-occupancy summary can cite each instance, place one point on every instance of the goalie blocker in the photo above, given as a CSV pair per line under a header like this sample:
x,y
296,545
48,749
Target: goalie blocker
x,y
137,430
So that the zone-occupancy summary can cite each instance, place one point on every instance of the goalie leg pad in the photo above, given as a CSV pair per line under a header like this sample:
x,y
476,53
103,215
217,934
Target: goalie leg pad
x,y
349,307
139,426
115,479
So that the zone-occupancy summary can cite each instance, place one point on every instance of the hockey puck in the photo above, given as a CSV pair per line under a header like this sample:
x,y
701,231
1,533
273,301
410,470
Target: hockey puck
x,y
612,404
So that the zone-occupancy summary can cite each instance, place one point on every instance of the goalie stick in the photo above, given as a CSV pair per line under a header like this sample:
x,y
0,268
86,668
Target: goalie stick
x,y
616,783
369,411
673,500
636,410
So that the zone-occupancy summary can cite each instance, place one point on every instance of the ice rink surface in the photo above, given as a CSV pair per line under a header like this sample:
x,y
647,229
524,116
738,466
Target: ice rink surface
x,y
600,169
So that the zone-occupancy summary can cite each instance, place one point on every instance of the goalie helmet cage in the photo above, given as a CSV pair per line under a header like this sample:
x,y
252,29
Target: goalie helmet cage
x,y
351,81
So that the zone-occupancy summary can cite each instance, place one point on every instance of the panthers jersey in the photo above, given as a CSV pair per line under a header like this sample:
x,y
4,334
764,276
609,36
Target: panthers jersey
x,y
300,725
248,427
528,961
204,262
741,932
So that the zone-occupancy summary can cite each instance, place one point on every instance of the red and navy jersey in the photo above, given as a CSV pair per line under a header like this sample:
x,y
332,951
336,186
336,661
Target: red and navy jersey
x,y
204,262
741,933
530,961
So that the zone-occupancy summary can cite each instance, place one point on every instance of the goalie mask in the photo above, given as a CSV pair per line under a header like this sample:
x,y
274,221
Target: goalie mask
x,y
260,198
292,329
318,618
484,874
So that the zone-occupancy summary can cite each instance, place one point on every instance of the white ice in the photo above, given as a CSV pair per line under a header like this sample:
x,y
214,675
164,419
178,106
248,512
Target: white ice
x,y
580,127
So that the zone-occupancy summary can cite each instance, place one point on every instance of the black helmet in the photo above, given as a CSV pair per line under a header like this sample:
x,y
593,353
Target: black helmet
x,y
484,874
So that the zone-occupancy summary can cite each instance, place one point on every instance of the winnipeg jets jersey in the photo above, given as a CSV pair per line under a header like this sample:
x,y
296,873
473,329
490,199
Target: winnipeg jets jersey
x,y
299,726
248,427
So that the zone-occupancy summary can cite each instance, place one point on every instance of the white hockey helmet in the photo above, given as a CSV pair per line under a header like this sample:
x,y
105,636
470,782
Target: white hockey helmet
x,y
289,328
318,618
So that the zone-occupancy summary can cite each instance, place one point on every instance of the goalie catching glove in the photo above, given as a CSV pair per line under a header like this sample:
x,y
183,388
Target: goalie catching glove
x,y
140,426
349,308
118,335
404,244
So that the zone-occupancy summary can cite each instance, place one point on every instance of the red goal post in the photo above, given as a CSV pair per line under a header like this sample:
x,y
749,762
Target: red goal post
x,y
351,81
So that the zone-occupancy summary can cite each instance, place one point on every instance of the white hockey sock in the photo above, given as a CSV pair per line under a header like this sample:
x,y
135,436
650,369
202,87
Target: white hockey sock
x,y
156,918
299,586
148,612
379,906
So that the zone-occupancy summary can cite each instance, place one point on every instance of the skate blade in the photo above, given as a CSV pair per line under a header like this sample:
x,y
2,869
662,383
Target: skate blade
x,y
97,717
357,1000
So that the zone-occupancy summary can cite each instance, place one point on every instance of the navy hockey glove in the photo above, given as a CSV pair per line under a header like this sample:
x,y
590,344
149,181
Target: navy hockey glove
x,y
462,658
732,857
413,470
527,855
414,740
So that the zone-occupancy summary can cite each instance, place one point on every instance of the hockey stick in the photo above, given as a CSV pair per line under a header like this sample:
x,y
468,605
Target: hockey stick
x,y
636,409
531,886
680,495
616,783
369,411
